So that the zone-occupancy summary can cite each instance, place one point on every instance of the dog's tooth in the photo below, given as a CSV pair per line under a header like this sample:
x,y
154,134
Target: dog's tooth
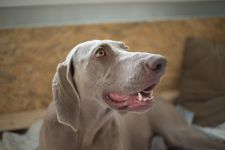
x,y
139,97
151,94
145,99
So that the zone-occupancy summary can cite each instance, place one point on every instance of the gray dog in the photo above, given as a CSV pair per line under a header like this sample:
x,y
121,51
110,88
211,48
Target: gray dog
x,y
102,94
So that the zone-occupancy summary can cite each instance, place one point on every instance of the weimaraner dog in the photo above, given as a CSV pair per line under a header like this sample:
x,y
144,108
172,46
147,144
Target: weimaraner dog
x,y
103,100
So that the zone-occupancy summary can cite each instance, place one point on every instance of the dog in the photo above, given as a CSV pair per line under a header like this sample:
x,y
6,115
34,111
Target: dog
x,y
103,100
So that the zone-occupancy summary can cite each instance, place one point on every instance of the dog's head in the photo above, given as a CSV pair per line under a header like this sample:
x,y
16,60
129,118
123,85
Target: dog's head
x,y
104,71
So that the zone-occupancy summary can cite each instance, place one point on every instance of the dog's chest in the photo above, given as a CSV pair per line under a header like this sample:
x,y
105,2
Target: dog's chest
x,y
116,132
106,137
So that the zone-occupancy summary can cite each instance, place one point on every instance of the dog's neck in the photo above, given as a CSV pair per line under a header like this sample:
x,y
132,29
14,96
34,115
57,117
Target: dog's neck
x,y
96,124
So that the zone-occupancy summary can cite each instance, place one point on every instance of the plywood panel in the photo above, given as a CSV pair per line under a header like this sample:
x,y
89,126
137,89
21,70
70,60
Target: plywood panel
x,y
28,57
20,120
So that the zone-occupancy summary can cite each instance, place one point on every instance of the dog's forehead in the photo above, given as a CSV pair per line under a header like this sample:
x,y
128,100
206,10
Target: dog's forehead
x,y
95,43
87,47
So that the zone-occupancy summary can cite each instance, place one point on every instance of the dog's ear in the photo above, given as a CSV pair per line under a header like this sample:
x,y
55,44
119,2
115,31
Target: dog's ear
x,y
65,94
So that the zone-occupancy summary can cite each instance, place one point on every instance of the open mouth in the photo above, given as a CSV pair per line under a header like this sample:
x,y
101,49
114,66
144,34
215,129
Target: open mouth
x,y
139,101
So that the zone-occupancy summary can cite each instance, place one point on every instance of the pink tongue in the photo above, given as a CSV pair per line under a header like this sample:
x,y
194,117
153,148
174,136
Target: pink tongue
x,y
120,97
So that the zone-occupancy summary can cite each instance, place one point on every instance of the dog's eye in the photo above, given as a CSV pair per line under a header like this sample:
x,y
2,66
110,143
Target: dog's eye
x,y
126,47
100,52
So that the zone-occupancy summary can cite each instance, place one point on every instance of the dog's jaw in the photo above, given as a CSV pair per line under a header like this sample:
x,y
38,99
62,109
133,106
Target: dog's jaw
x,y
140,100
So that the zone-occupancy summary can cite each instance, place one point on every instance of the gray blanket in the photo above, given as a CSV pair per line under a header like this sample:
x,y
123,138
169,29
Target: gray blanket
x,y
29,140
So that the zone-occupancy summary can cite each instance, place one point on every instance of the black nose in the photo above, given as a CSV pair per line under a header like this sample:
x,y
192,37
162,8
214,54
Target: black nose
x,y
156,63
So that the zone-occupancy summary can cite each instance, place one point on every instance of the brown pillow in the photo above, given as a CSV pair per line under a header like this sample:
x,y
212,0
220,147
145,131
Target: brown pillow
x,y
202,85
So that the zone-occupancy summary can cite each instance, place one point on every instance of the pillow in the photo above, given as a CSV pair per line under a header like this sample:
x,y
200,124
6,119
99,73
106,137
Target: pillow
x,y
202,84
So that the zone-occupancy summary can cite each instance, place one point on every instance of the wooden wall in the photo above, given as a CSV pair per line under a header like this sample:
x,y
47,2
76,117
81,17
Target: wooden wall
x,y
28,57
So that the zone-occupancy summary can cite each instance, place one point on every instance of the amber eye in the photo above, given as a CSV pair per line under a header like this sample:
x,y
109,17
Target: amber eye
x,y
100,52
126,47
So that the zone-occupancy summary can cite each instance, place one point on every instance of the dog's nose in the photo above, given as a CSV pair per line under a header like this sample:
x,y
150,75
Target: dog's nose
x,y
156,63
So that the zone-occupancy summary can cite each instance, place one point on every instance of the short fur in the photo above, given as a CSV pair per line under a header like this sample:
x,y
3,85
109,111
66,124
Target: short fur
x,y
79,119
